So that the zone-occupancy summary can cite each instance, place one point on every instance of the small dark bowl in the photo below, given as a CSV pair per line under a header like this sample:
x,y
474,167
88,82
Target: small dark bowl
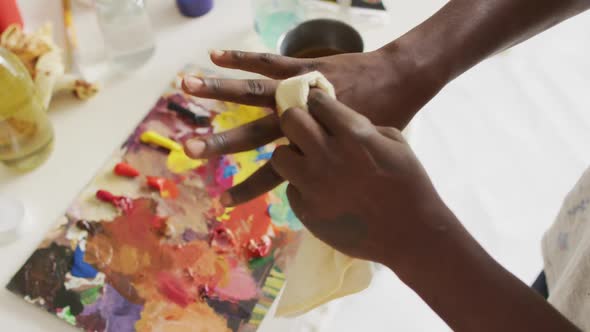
x,y
320,37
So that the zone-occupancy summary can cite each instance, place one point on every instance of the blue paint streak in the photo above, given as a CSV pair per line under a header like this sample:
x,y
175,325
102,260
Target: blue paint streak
x,y
80,268
230,171
264,156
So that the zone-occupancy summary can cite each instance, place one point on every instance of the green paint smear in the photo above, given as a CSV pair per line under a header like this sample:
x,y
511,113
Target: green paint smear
x,y
281,213
257,263
91,295
66,315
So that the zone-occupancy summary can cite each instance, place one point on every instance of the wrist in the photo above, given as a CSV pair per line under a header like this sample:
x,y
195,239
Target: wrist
x,y
406,84
428,63
448,43
434,232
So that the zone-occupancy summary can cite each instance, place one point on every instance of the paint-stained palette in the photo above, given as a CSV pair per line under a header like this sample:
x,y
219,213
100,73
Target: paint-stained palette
x,y
157,251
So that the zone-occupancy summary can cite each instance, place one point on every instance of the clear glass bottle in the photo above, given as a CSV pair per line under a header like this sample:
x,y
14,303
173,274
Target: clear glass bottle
x,y
26,135
127,32
273,18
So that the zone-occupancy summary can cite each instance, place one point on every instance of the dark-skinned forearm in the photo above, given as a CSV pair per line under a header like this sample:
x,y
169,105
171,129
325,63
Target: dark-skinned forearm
x,y
465,32
466,287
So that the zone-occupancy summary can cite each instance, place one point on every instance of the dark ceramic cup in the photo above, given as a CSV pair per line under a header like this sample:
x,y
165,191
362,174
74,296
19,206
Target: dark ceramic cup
x,y
320,37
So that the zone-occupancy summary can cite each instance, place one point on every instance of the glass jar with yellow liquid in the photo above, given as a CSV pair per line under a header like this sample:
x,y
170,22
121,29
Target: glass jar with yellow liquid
x,y
26,135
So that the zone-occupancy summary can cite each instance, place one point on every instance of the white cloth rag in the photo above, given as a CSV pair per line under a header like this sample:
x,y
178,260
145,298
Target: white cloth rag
x,y
318,273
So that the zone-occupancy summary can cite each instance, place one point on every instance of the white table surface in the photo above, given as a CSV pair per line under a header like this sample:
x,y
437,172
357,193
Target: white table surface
x,y
503,144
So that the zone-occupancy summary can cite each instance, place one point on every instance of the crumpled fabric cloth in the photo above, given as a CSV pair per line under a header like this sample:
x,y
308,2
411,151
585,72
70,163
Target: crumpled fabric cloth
x,y
318,273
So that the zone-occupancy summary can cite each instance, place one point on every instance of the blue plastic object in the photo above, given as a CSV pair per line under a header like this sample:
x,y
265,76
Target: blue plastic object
x,y
194,8
80,268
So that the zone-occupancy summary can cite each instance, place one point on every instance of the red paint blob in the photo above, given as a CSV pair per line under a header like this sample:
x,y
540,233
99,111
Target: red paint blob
x,y
159,223
173,289
222,240
260,248
249,221
167,188
123,169
123,203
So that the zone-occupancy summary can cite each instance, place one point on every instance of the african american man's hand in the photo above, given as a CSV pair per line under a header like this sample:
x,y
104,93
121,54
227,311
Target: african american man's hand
x,y
356,186
366,182
360,189
384,85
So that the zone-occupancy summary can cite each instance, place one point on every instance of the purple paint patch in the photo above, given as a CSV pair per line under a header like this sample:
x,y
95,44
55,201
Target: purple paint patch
x,y
93,322
120,315
189,235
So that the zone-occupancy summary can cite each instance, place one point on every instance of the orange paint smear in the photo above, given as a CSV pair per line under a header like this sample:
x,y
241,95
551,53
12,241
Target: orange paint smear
x,y
143,267
167,188
241,221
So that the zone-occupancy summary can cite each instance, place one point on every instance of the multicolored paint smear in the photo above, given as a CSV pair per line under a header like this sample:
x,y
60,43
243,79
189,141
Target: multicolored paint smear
x,y
145,247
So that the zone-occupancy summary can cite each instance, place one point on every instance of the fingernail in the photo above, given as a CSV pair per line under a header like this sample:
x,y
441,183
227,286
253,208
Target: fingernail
x,y
216,53
192,83
195,147
226,199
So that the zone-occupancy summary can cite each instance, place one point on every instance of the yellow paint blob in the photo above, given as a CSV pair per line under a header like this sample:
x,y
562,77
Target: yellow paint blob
x,y
235,116
178,162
